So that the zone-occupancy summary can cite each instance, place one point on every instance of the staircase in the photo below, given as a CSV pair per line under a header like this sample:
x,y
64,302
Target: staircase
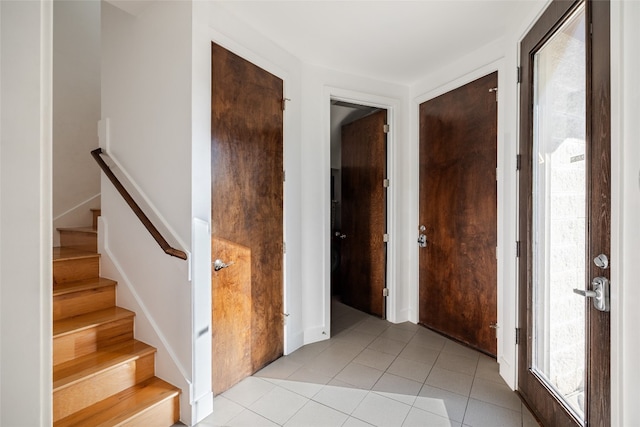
x,y
102,376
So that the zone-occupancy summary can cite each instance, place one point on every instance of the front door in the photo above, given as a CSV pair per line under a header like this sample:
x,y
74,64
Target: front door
x,y
564,232
363,247
458,213
246,218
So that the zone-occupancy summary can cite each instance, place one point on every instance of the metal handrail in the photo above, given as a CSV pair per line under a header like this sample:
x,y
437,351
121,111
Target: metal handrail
x,y
166,247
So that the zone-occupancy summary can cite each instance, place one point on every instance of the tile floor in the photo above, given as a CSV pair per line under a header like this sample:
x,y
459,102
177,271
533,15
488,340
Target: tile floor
x,y
374,373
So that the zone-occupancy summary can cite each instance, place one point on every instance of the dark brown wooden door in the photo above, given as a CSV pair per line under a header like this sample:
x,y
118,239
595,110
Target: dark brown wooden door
x,y
565,128
246,216
458,208
363,252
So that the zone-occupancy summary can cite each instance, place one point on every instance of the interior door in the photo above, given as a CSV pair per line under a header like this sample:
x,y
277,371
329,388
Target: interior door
x,y
565,213
458,213
363,247
246,217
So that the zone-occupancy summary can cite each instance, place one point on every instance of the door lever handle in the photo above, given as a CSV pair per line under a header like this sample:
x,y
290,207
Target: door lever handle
x,y
219,264
587,294
600,293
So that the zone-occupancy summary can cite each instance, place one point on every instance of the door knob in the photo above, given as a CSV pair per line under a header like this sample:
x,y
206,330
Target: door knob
x,y
340,235
219,264
600,293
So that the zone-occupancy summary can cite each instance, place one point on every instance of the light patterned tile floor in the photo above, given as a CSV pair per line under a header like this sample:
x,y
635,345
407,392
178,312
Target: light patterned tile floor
x,y
374,373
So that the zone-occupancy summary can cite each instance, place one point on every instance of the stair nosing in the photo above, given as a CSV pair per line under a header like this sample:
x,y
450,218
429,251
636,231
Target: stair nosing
x,y
171,393
82,285
87,229
77,254
117,313
107,365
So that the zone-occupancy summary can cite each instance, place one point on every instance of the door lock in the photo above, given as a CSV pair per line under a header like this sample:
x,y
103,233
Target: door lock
x,y
600,293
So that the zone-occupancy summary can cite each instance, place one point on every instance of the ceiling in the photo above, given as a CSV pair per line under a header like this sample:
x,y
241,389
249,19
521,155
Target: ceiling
x,y
394,41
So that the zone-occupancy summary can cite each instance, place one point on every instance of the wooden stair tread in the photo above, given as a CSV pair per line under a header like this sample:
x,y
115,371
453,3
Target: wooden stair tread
x,y
81,285
72,324
121,406
89,230
63,254
68,373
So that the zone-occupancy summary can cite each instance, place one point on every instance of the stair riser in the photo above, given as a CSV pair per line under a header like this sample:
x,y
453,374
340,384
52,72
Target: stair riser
x,y
76,269
79,240
166,413
86,341
98,387
83,302
95,213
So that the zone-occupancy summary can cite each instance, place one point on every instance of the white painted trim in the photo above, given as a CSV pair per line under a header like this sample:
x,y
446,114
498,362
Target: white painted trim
x,y
391,105
201,355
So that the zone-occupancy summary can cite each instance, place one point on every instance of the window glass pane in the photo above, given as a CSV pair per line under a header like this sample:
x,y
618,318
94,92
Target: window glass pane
x,y
559,200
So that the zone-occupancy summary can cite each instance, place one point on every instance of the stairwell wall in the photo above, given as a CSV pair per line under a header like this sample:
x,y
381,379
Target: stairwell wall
x,y
146,128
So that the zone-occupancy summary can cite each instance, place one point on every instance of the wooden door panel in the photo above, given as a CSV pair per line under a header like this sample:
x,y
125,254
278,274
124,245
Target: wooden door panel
x,y
247,186
231,315
363,263
458,207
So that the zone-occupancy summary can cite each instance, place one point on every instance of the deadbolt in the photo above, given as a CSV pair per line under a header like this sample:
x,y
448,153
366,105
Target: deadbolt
x,y
601,261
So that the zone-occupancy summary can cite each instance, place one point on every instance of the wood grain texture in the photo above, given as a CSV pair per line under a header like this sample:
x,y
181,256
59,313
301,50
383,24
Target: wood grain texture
x,y
599,177
363,210
545,406
80,335
150,403
71,264
94,388
231,315
247,186
76,298
84,238
458,207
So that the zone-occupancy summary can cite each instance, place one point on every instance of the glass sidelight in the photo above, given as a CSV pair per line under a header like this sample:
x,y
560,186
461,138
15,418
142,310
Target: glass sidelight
x,y
559,212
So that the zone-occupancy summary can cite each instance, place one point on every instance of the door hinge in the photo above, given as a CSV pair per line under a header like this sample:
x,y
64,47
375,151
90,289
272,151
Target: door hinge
x,y
385,183
518,249
284,103
519,74
386,128
284,176
518,162
385,292
385,237
494,89
284,247
517,336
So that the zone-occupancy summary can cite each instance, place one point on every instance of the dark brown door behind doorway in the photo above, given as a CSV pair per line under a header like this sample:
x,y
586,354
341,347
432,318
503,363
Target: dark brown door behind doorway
x,y
363,252
246,217
458,208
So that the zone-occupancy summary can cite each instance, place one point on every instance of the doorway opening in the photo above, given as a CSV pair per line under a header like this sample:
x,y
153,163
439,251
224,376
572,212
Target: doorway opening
x,y
359,206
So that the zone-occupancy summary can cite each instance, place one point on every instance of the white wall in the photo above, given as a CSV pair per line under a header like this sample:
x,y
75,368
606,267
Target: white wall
x,y
625,236
146,108
25,213
76,111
